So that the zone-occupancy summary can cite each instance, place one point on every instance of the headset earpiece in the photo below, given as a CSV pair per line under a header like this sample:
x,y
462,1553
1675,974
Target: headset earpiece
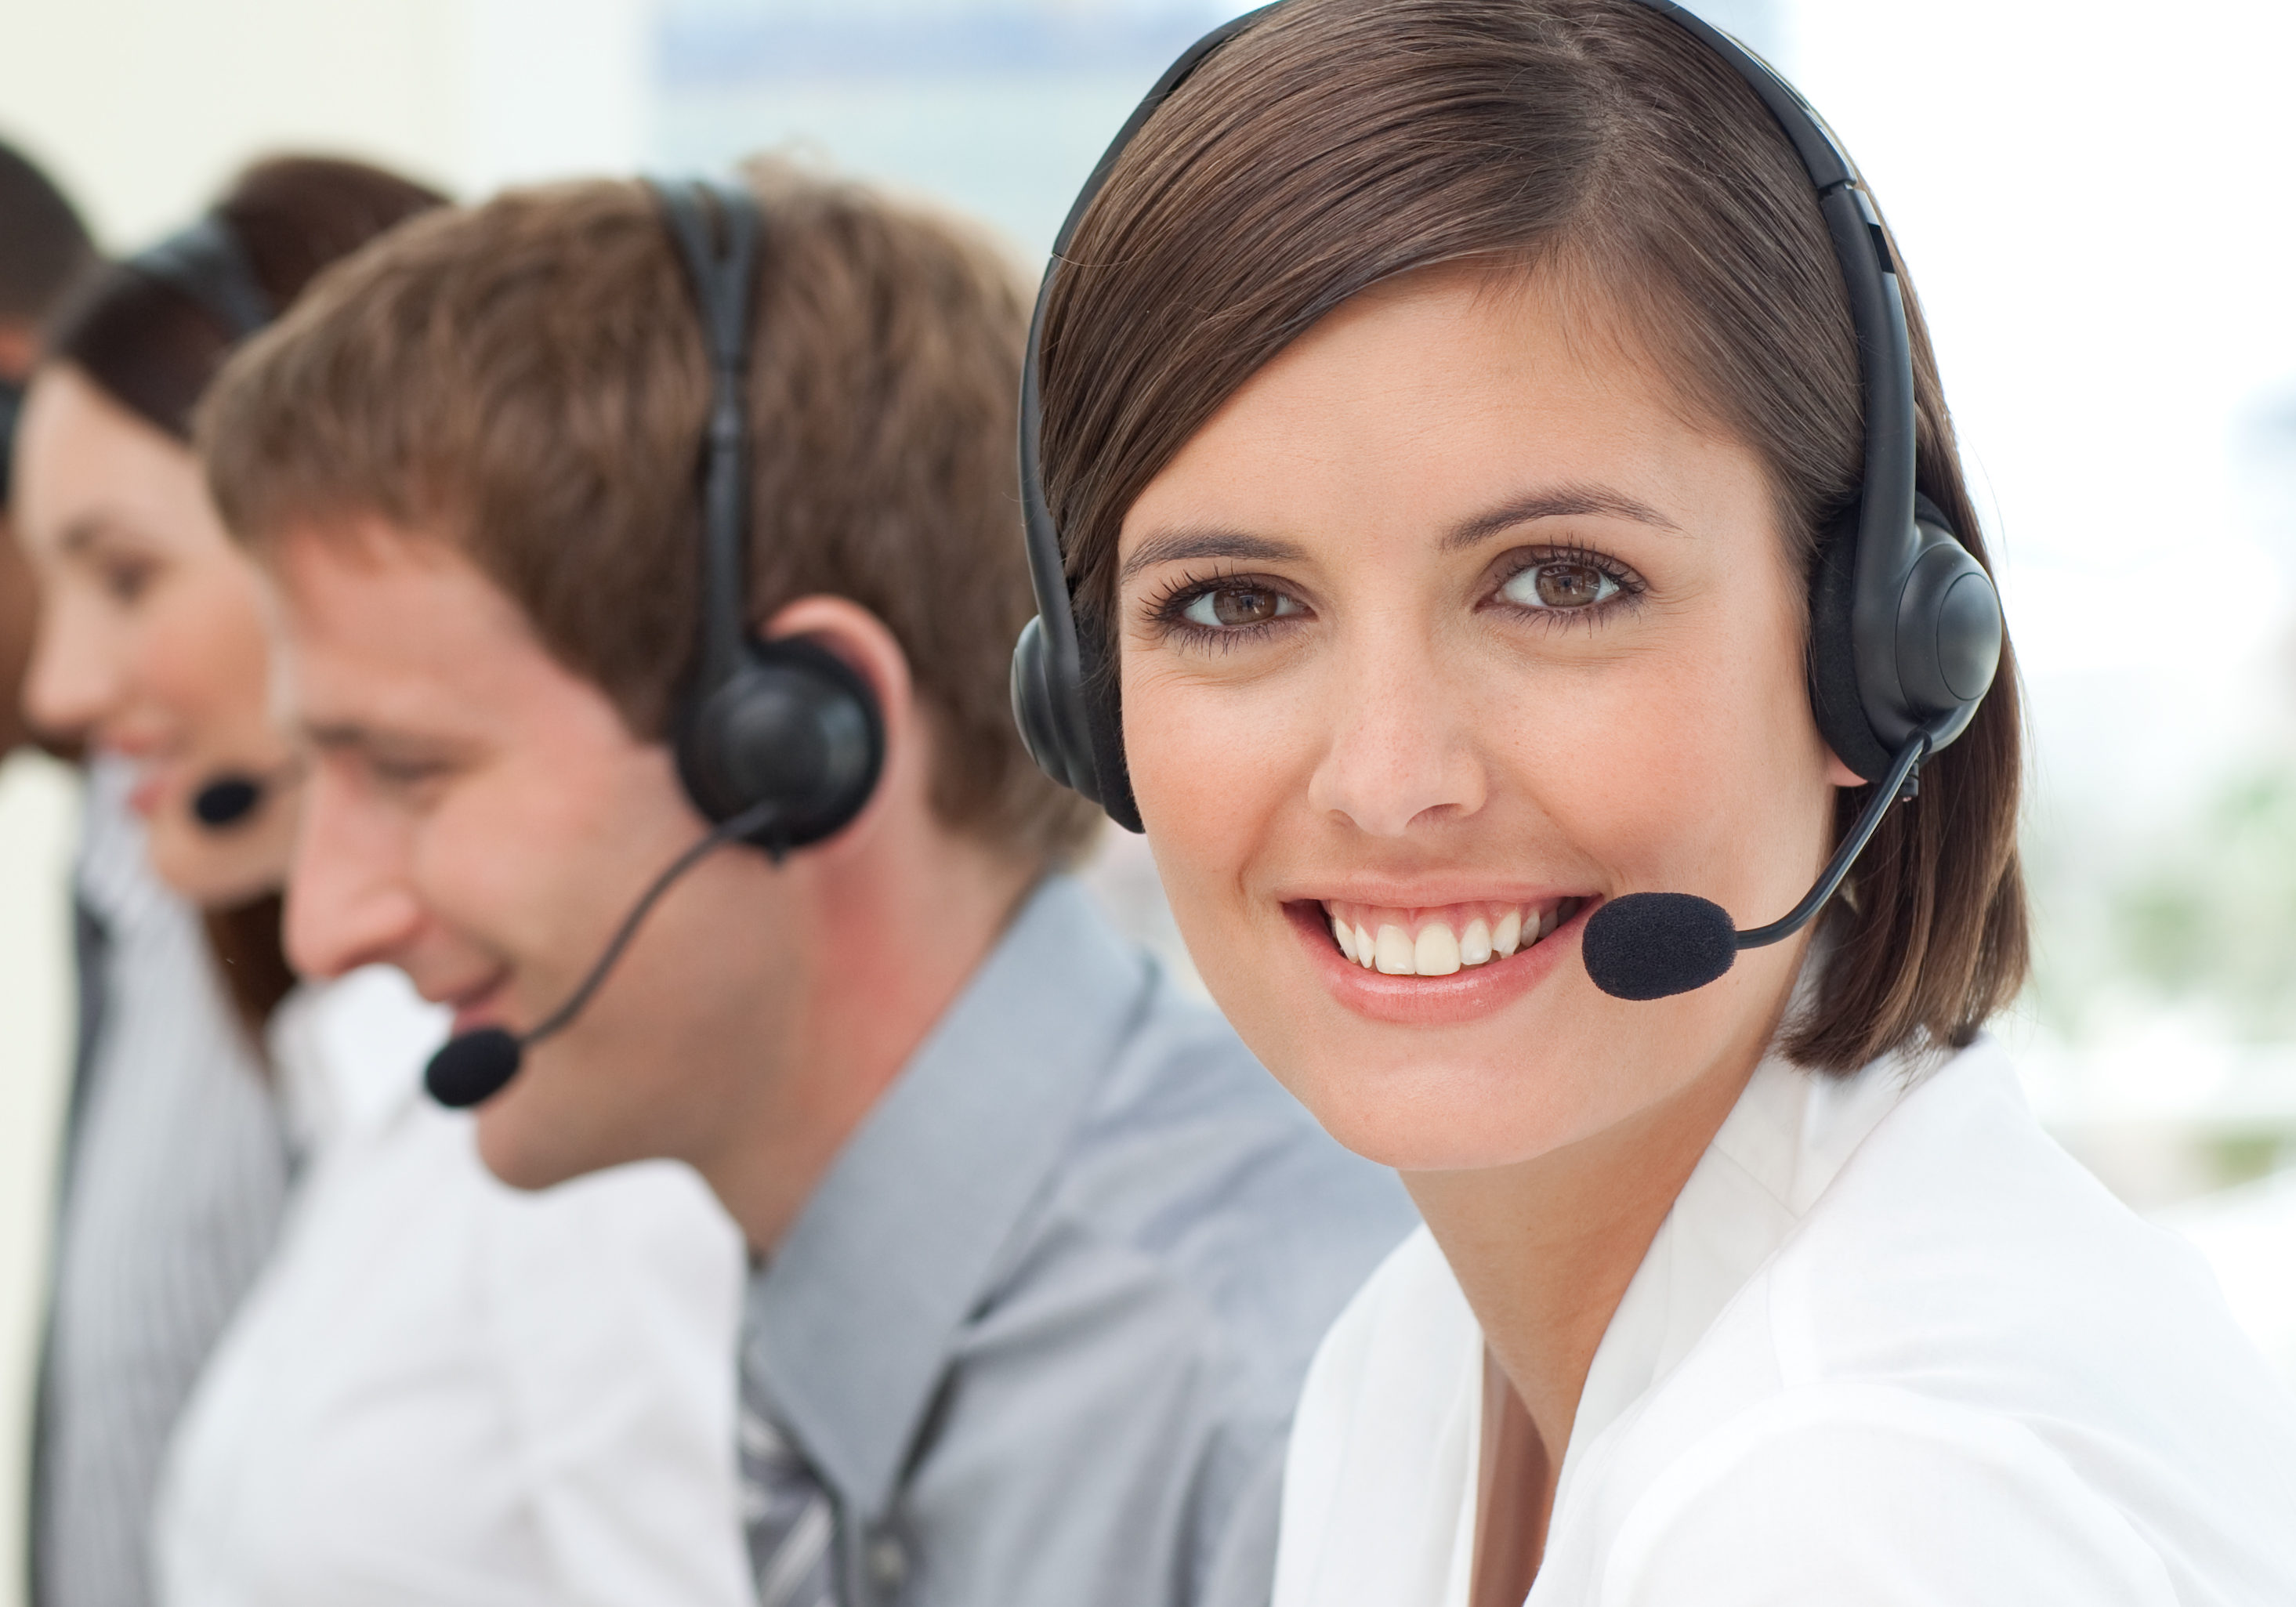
x,y
794,723
1931,668
1949,631
785,724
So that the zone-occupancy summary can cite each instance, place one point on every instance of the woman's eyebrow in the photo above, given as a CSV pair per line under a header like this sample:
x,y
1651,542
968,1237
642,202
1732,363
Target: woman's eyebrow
x,y
1551,504
89,530
1176,545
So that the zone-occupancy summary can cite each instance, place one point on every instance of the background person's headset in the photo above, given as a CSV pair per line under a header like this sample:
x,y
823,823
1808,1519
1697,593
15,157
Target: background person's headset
x,y
1906,628
12,408
779,743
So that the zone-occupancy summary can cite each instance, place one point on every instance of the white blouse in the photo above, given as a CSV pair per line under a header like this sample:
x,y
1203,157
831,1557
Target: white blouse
x,y
444,1391
1891,1345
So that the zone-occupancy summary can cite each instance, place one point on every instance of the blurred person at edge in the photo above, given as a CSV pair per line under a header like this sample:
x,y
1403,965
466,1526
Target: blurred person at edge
x,y
44,249
1040,1253
1444,405
437,1389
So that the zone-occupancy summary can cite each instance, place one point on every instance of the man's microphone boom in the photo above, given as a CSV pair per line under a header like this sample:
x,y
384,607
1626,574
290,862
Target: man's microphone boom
x,y
472,1067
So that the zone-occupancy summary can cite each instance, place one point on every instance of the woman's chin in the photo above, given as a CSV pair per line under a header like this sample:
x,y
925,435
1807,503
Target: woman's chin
x,y
1438,1111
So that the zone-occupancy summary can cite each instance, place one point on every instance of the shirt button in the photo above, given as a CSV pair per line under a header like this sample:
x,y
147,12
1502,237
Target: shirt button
x,y
888,1562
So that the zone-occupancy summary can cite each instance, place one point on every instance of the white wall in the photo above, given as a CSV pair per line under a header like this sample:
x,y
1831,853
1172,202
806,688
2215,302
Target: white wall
x,y
143,108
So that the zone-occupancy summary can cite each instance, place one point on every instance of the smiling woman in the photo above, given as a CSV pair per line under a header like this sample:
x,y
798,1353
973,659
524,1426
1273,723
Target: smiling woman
x,y
1453,418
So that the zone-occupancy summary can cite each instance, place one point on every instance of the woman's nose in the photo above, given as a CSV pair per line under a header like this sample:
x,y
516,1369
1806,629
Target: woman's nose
x,y
1399,750
72,681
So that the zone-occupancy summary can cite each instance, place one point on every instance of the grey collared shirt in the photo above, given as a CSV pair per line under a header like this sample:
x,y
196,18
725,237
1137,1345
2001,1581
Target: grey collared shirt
x,y
1041,1329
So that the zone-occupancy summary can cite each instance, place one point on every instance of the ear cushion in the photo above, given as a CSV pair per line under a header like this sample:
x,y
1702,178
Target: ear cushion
x,y
1103,720
1833,654
795,725
1034,712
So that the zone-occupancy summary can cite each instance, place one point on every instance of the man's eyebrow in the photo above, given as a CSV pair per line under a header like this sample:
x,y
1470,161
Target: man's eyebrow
x,y
1551,504
1176,545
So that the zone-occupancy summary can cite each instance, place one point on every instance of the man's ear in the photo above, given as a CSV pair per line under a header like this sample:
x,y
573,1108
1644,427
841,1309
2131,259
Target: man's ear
x,y
868,647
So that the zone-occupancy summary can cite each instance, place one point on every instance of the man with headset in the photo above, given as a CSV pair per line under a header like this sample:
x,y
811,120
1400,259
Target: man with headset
x,y
1042,1255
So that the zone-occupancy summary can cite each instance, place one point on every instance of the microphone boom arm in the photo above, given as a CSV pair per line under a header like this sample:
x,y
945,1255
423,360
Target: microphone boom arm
x,y
1892,787
729,830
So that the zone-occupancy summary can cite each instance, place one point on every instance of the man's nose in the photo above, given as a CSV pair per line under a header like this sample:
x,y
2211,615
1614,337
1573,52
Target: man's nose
x,y
350,901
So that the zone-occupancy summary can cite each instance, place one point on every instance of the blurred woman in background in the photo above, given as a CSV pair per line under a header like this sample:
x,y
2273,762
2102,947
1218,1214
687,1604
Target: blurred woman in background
x,y
437,1391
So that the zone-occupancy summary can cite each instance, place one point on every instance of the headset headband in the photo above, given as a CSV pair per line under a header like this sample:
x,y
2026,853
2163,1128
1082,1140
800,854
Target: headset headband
x,y
717,228
208,264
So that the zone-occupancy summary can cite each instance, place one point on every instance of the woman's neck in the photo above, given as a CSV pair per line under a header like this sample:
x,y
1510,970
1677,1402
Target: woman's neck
x,y
1544,1250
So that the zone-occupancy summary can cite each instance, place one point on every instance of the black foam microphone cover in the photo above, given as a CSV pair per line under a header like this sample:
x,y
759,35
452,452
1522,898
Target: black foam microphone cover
x,y
226,801
1653,946
471,1068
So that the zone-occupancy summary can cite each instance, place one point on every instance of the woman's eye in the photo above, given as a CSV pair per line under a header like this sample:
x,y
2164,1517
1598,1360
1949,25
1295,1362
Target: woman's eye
x,y
1230,607
1559,585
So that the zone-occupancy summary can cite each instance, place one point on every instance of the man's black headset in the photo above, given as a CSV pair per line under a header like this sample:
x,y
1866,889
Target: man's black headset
x,y
1906,628
782,727
779,742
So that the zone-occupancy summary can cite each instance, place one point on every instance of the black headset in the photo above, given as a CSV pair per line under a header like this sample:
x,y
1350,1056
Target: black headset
x,y
12,408
1906,628
207,263
785,726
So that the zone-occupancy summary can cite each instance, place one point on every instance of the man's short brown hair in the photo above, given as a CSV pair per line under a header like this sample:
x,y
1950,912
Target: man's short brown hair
x,y
527,380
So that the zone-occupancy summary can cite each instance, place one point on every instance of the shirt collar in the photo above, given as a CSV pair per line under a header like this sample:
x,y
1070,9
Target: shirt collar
x,y
1775,1153
849,1324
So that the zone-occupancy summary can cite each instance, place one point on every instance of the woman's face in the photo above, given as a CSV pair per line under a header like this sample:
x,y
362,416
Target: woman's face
x,y
151,642
1448,627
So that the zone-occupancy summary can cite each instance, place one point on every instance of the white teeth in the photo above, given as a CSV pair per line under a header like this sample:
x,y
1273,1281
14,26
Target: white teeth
x,y
1475,942
1345,938
1365,949
1507,936
1436,953
1394,953
1548,920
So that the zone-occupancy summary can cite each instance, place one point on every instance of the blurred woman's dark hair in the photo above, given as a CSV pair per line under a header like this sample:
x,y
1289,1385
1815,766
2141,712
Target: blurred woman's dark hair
x,y
154,349
1336,145
44,245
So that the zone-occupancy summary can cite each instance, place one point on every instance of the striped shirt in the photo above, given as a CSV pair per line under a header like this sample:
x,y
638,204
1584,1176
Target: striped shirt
x,y
175,1172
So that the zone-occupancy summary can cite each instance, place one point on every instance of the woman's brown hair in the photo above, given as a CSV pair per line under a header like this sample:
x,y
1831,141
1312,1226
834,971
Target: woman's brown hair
x,y
1336,145
154,349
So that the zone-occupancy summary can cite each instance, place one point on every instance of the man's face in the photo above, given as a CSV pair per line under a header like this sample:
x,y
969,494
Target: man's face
x,y
479,816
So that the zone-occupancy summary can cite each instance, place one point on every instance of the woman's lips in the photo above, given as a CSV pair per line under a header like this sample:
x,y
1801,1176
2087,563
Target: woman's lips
x,y
1461,995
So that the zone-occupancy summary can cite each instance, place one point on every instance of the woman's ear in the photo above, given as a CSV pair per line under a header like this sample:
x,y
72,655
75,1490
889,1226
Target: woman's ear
x,y
868,647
